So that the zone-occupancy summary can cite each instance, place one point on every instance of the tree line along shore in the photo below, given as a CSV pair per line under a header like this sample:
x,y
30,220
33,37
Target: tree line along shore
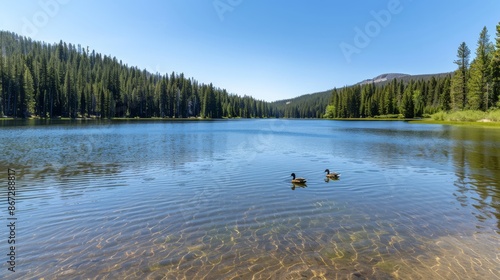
x,y
66,81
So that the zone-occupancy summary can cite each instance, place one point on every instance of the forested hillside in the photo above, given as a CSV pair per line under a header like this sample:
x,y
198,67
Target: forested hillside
x,y
411,99
305,106
65,80
473,86
44,80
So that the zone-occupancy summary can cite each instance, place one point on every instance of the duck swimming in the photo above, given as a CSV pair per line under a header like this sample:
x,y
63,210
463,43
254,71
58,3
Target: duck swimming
x,y
297,180
333,175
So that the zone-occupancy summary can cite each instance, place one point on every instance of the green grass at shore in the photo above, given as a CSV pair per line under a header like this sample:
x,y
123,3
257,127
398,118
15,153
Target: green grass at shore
x,y
467,116
464,118
477,124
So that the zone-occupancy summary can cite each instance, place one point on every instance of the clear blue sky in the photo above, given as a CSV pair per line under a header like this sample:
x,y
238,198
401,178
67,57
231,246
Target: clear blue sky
x,y
267,49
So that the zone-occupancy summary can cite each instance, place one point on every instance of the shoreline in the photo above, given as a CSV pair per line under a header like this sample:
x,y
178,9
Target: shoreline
x,y
491,124
480,123
113,119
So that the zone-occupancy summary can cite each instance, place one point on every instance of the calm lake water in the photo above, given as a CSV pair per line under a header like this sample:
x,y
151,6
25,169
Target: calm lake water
x,y
214,200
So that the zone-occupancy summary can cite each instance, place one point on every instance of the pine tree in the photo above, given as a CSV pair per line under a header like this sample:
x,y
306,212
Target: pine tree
x,y
407,103
83,102
444,94
460,78
28,102
209,102
102,104
163,97
72,98
42,88
479,73
418,103
52,87
495,70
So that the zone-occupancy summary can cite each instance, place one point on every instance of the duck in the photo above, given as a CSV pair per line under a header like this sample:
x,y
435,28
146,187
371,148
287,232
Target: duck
x,y
297,180
333,175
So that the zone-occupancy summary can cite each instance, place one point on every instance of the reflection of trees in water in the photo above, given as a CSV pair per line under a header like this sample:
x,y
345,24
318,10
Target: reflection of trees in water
x,y
68,180
64,160
476,156
77,170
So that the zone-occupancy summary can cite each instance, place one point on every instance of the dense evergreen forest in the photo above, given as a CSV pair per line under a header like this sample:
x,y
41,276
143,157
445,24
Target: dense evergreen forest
x,y
305,106
410,99
65,80
473,86
44,80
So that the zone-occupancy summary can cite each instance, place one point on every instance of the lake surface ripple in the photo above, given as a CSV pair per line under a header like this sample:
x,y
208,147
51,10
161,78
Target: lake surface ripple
x,y
213,200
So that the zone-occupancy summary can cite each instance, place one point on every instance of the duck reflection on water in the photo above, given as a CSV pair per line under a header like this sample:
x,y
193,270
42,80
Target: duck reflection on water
x,y
298,185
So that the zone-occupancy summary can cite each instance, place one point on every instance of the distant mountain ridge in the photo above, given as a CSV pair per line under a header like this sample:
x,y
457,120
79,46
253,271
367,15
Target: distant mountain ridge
x,y
385,78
